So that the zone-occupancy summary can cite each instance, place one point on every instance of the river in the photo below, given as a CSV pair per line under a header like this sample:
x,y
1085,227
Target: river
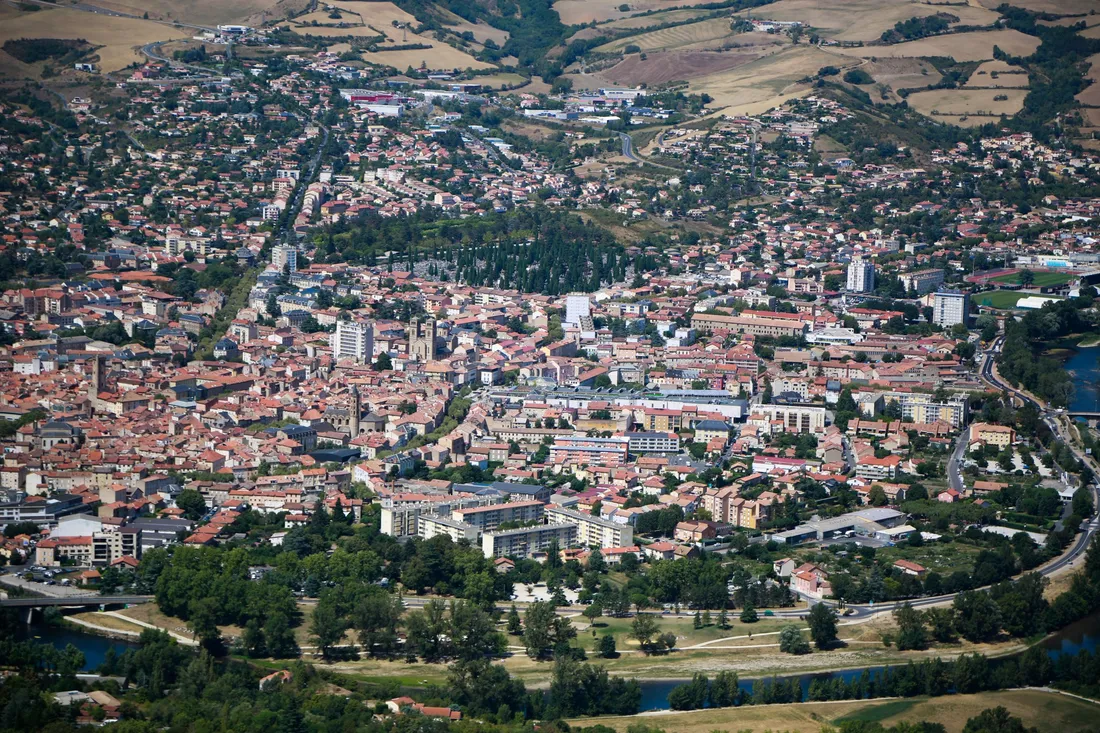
x,y
1084,367
94,646
1083,635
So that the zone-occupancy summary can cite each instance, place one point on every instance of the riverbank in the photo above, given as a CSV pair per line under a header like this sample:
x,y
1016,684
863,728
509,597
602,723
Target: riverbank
x,y
1041,708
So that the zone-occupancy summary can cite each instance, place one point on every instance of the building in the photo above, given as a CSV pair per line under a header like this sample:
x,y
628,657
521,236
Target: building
x,y
488,518
525,541
583,451
755,326
788,418
353,340
653,442
592,530
285,256
422,340
432,525
998,435
950,307
922,281
861,275
576,308
920,407
878,469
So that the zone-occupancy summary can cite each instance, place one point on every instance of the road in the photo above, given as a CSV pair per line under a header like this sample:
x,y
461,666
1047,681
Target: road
x,y
72,601
628,148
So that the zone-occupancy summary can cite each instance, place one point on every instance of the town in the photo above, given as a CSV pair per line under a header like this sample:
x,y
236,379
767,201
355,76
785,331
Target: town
x,y
302,362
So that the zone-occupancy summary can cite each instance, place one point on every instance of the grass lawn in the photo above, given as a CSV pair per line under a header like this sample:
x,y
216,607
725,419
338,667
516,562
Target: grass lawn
x,y
1042,279
999,298
1044,710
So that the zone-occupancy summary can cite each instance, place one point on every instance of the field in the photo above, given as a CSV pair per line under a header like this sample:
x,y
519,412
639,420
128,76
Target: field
x,y
201,12
659,68
1059,7
120,38
902,73
1042,279
766,82
1002,299
1091,95
1007,76
681,36
952,105
644,21
1046,710
975,46
834,18
578,12
366,20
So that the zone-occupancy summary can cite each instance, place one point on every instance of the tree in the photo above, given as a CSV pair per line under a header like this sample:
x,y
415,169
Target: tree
x,y
327,627
941,623
253,639
377,618
748,615
1026,277
192,504
723,619
606,646
822,620
279,636
791,641
911,633
544,631
996,720
593,612
515,625
977,617
383,363
643,629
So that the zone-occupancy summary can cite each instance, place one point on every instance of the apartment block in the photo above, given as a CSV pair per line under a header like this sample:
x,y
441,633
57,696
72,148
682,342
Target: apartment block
x,y
788,418
433,525
488,518
525,541
592,530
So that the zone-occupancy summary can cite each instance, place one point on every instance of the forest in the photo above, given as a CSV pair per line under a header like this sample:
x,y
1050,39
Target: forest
x,y
532,250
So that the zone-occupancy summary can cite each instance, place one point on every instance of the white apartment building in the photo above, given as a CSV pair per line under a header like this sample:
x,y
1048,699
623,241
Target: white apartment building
x,y
861,275
488,518
788,418
576,308
353,340
950,307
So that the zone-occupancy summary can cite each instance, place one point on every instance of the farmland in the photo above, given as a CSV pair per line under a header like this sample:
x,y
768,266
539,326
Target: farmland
x,y
118,39
834,19
998,74
579,12
202,12
681,36
975,46
977,105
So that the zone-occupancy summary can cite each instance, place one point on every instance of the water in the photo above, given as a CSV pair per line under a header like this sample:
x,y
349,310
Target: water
x,y
1084,635
94,647
1084,367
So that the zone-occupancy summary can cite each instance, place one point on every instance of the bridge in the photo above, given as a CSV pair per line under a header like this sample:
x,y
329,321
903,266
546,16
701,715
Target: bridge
x,y
1084,415
37,603
72,601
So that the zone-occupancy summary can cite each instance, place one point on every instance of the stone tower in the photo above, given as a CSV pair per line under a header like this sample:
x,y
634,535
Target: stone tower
x,y
422,339
354,410
97,382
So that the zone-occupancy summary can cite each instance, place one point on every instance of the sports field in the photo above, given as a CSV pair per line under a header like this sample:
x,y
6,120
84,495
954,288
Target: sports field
x,y
1042,279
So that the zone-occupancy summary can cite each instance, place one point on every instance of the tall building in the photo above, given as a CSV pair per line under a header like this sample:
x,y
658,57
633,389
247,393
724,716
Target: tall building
x,y
422,339
285,255
950,307
353,340
576,308
861,275
922,281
